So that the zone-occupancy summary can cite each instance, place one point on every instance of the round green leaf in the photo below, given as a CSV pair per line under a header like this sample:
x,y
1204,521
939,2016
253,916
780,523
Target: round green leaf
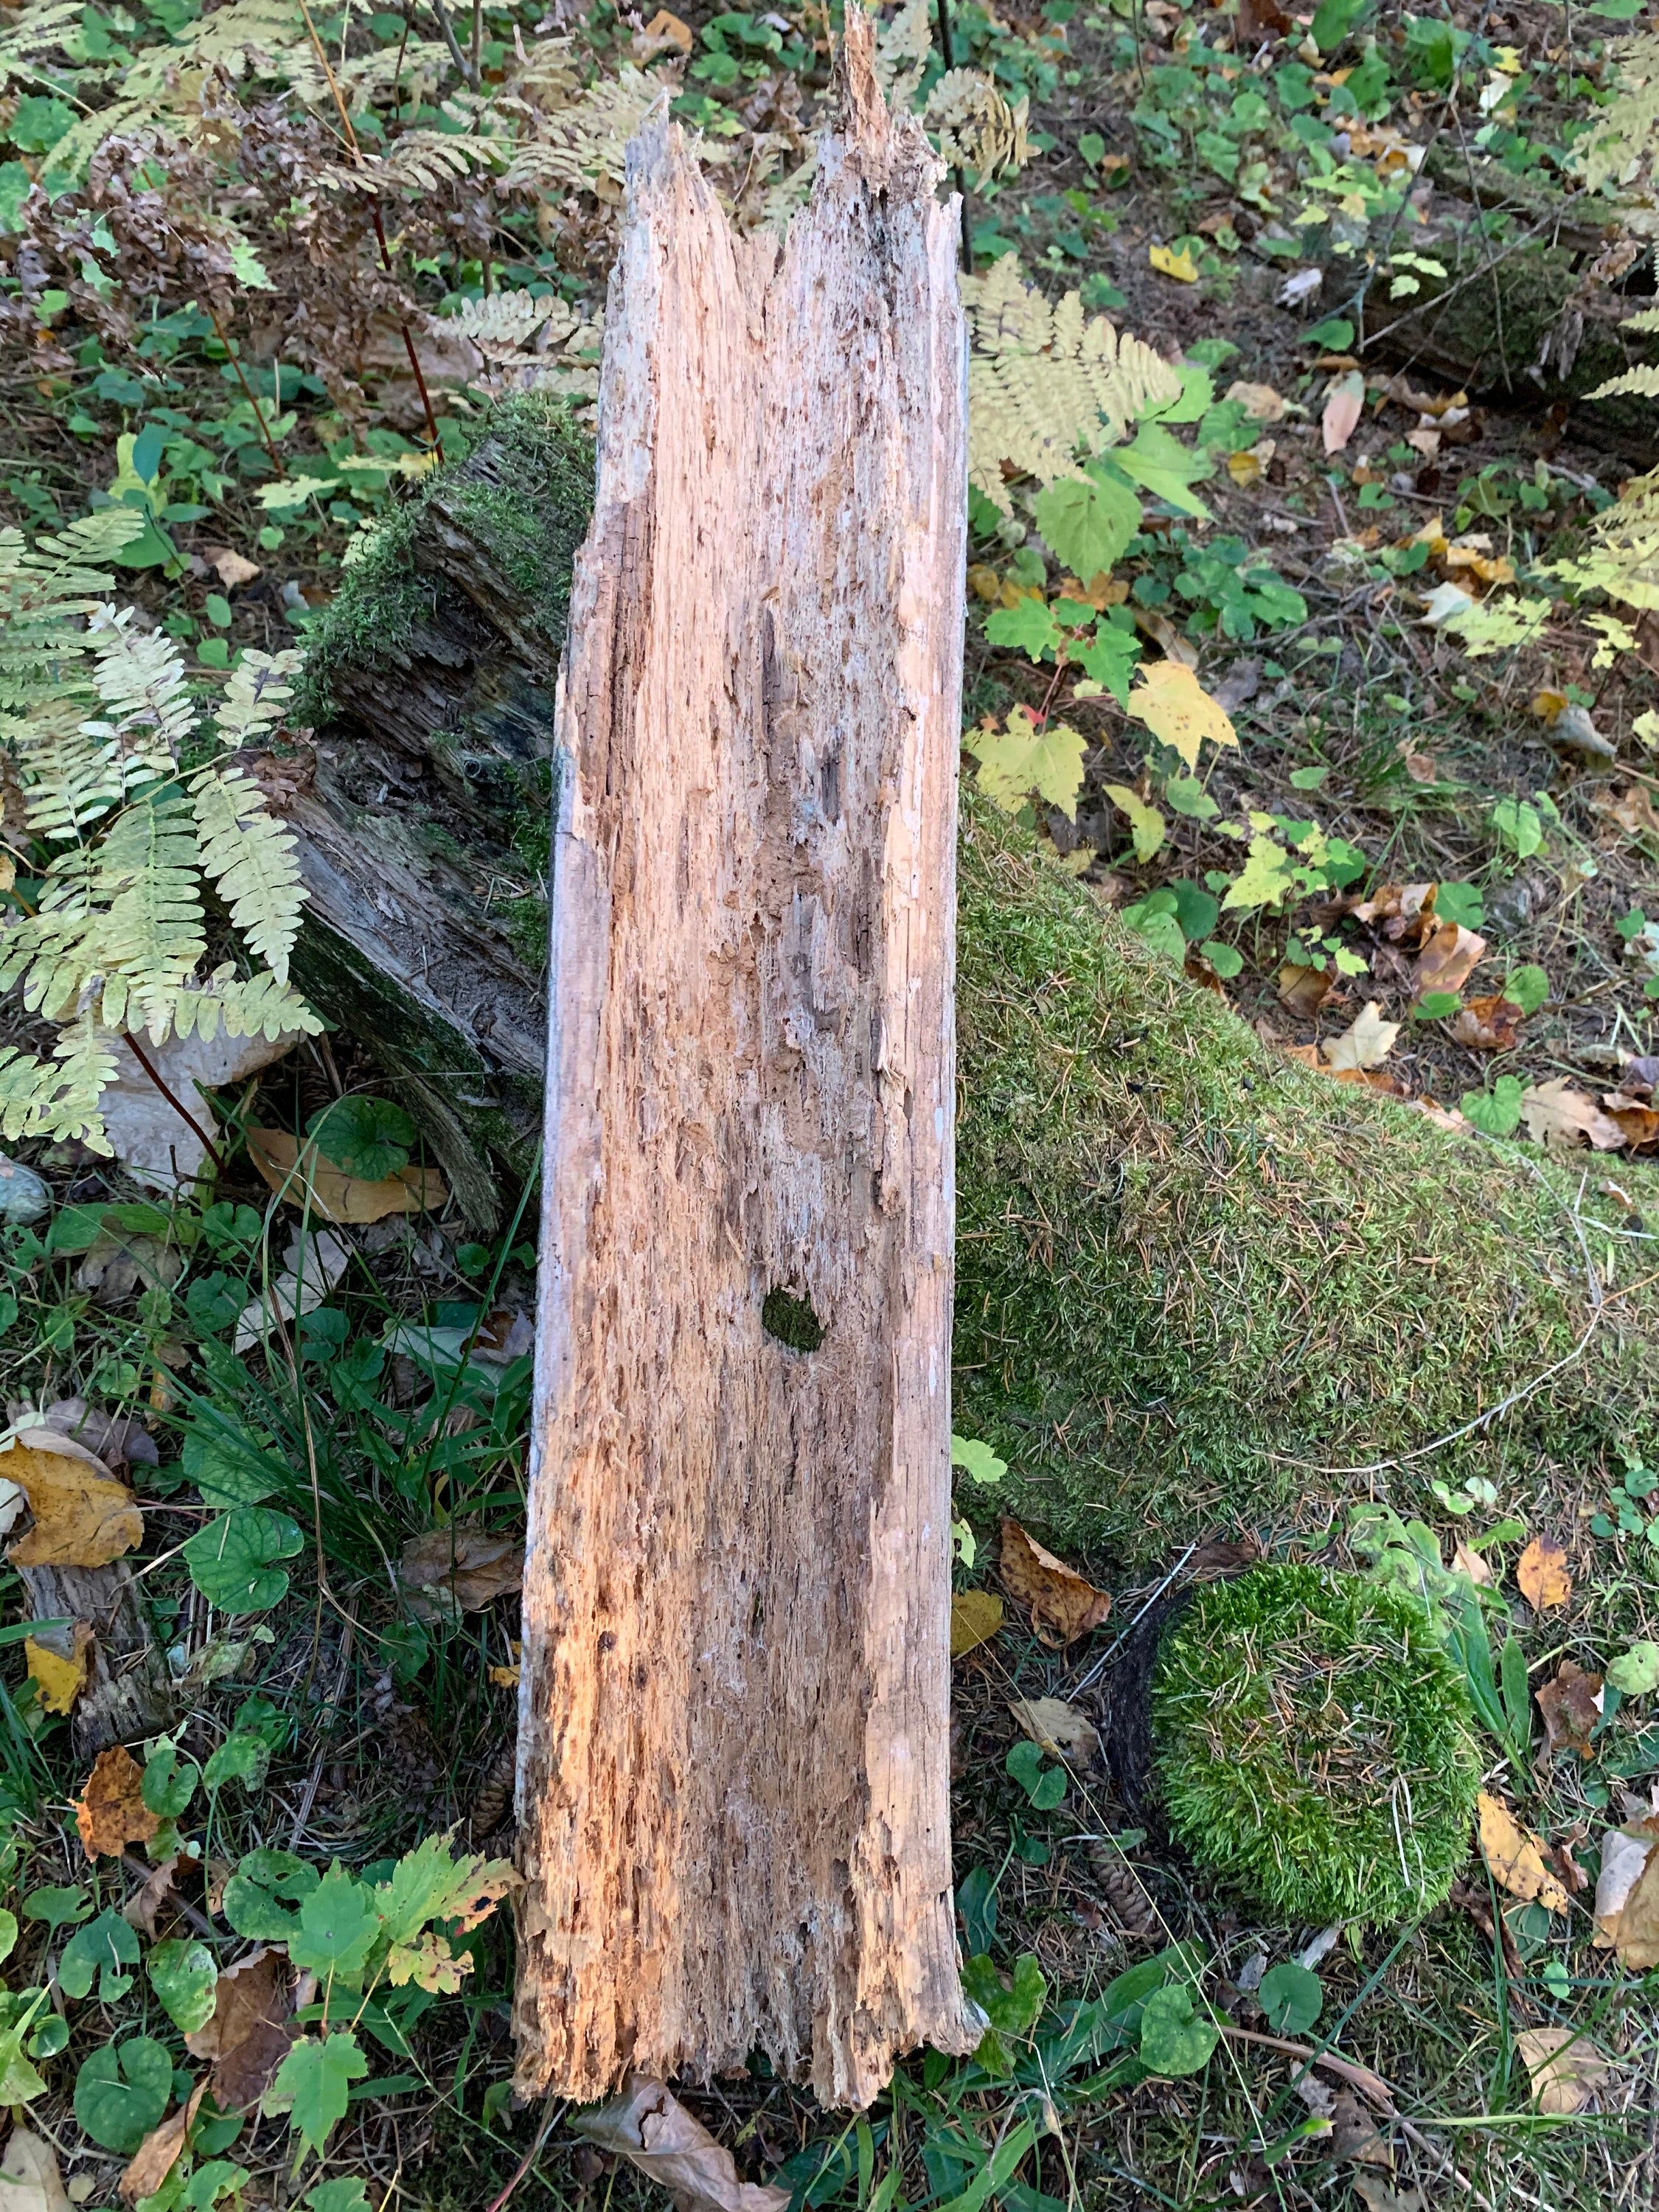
x,y
1496,1112
183,1975
230,1560
168,1783
1293,1997
1044,1785
366,1137
8,1933
102,1947
122,2092
1226,959
1172,2041
1636,1672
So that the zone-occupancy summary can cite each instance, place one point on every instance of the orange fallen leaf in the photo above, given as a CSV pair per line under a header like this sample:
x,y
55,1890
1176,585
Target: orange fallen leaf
x,y
1638,1121
1448,958
975,1617
61,1676
1343,409
1572,1705
1517,1857
1062,1605
335,1195
83,1517
1542,1571
668,28
1487,1023
1557,1115
111,1812
1566,2069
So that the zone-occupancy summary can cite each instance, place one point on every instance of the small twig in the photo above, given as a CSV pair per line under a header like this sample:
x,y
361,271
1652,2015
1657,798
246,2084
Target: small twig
x,y
1371,2086
529,2156
451,41
198,1920
1438,299
176,1103
234,355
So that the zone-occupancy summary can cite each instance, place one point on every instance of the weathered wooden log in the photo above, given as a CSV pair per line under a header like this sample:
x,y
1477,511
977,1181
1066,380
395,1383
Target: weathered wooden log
x,y
733,1739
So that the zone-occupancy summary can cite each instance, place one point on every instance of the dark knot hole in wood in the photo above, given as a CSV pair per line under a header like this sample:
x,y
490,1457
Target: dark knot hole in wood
x,y
792,1321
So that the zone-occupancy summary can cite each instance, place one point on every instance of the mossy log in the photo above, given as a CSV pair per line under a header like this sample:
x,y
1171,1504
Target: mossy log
x,y
1196,1285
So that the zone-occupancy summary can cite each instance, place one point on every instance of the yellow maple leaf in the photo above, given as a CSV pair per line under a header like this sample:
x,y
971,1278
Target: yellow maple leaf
x,y
1174,707
1023,759
1517,1857
429,1961
1146,824
60,1680
1168,263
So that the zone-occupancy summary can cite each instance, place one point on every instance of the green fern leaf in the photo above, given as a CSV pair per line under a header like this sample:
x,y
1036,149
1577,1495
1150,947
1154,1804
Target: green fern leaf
x,y
249,857
151,935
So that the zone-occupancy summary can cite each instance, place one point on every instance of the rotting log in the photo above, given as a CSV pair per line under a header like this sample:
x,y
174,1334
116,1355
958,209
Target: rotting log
x,y
732,1741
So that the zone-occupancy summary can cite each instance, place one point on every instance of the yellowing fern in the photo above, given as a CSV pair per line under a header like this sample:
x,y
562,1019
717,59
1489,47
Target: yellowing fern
x,y
1046,385
1619,150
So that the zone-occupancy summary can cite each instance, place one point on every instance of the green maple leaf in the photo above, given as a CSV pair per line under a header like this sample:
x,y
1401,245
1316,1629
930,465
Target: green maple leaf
x,y
1087,521
1264,878
1167,469
1023,759
339,1925
314,2082
1027,625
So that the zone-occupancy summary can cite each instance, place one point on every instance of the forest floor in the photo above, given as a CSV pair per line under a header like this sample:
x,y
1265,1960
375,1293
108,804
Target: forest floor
x,y
384,1716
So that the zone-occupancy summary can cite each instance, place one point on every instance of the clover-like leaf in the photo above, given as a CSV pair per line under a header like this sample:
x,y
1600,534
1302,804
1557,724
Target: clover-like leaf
x,y
1292,1997
368,1139
1173,2040
100,1949
169,1782
122,2091
231,1560
183,1975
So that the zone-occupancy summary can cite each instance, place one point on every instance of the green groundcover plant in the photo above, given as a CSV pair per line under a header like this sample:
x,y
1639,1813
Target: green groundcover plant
x,y
1314,1744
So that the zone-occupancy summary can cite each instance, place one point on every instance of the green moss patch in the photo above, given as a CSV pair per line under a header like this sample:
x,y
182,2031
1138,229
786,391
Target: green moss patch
x,y
1195,1283
1315,1747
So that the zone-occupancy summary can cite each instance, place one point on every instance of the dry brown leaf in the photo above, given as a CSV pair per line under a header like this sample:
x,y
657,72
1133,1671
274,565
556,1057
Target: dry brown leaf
x,y
61,1675
334,1195
1470,1563
1448,958
141,1908
1515,1857
1555,1114
1304,1055
1062,1605
152,1139
460,1568
1624,1858
111,1812
1632,810
1638,1121
1487,1023
30,2179
1355,2133
1567,2071
1636,1931
1542,1571
654,2132
1366,1043
1305,990
1058,1728
1379,2196
252,2028
158,2154
1343,408
1572,1707
83,1517
1260,403
975,1617
233,569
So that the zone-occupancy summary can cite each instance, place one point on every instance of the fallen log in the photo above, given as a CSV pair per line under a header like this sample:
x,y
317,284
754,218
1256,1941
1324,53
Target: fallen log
x,y
733,1758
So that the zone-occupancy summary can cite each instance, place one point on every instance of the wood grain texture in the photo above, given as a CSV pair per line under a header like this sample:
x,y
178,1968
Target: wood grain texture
x,y
733,1758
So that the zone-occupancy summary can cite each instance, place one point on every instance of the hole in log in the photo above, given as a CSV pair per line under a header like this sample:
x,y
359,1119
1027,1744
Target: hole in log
x,y
792,1321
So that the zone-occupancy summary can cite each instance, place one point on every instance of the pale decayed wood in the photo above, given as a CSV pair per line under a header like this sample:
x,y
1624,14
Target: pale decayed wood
x,y
733,1760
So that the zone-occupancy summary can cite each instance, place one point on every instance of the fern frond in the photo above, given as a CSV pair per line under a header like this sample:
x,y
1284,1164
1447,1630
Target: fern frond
x,y
35,32
1622,558
1645,319
71,776
420,161
1043,382
1643,380
45,592
978,131
58,1097
65,166
577,146
151,935
250,856
256,695
141,680
902,52
1619,148
254,1005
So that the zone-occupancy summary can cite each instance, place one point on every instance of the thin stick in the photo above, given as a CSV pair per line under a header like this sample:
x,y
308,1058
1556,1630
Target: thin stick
x,y
1369,2086
528,2159
176,1103
433,438
223,336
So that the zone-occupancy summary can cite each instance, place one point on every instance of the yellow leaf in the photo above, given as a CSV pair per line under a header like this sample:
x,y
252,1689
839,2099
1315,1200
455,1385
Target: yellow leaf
x,y
1023,759
1542,1571
1146,824
505,1678
83,1517
975,1617
429,1961
335,1195
1566,2071
1366,1043
61,1680
1174,707
1244,468
1168,263
1516,1858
